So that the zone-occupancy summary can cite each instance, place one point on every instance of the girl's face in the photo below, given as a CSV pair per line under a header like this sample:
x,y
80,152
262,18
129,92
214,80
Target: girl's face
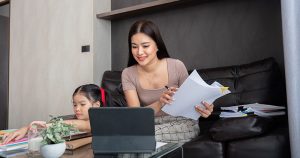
x,y
144,49
81,105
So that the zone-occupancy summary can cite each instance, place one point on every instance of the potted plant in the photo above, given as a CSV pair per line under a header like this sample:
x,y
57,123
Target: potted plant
x,y
53,143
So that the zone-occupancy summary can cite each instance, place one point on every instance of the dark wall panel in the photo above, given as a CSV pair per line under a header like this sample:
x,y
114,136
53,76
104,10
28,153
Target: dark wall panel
x,y
117,4
4,58
211,34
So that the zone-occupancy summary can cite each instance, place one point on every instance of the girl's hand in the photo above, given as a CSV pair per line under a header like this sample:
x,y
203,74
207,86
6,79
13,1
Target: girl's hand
x,y
18,134
166,96
206,111
42,124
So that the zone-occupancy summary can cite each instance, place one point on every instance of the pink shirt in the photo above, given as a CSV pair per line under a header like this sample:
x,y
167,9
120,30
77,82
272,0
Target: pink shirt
x,y
177,73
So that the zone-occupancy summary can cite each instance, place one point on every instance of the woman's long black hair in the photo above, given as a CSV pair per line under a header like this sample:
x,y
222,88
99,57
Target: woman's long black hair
x,y
150,29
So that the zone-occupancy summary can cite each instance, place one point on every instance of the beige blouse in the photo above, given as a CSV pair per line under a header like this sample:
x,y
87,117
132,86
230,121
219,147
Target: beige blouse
x,y
177,73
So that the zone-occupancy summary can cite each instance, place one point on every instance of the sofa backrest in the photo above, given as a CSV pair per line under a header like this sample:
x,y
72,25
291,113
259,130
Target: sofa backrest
x,y
260,82
111,82
256,82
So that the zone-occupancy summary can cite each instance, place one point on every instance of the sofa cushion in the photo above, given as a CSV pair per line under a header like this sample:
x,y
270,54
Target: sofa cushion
x,y
273,145
238,128
203,146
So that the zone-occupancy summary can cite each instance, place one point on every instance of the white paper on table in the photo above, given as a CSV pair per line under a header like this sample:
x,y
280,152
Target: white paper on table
x,y
194,90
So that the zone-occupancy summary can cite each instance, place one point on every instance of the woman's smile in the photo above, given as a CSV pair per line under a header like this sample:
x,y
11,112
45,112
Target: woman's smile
x,y
141,58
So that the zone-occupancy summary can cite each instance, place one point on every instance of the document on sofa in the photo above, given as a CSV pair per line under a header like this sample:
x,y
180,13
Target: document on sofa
x,y
194,90
263,110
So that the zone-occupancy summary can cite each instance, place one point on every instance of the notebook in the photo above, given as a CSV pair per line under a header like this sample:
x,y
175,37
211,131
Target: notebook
x,y
122,130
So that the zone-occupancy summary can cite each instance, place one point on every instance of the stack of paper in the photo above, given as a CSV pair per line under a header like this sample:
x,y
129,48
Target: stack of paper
x,y
14,148
229,114
263,110
13,153
18,144
194,90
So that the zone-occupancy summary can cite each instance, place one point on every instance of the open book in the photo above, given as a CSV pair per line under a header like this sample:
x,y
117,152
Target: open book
x,y
194,90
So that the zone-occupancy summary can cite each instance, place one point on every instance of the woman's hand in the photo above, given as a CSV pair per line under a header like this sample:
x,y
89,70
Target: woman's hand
x,y
166,96
18,134
206,111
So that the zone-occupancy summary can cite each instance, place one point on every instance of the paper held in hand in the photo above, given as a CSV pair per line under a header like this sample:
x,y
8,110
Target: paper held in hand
x,y
194,90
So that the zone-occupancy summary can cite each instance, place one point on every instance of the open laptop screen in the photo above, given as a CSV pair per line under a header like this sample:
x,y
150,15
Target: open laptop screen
x,y
122,130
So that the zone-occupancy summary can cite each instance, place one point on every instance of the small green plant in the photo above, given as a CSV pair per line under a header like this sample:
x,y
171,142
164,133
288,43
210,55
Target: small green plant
x,y
57,131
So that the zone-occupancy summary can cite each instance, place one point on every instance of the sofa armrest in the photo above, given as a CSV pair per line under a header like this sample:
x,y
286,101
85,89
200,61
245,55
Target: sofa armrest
x,y
206,123
237,128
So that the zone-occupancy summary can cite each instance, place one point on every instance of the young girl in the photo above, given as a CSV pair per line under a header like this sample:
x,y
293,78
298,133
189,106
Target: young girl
x,y
84,97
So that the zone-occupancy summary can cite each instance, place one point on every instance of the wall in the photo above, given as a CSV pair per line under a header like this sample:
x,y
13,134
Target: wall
x,y
4,57
291,39
210,34
102,40
46,63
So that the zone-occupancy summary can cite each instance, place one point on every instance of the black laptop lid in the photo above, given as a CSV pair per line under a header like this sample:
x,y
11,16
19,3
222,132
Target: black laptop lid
x,y
122,130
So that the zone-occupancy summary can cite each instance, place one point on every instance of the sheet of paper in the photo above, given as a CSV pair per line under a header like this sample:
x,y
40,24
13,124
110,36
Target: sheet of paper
x,y
160,144
193,90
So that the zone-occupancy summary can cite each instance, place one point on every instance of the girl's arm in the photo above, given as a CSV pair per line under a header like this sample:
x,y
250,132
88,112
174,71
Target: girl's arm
x,y
81,125
21,133
16,135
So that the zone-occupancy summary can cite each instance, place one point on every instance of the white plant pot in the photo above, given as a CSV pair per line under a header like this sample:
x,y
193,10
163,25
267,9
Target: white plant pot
x,y
53,150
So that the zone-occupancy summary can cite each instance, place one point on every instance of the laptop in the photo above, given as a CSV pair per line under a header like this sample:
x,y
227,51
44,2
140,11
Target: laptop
x,y
122,130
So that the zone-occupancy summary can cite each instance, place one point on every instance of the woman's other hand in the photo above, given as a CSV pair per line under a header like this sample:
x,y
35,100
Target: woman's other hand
x,y
166,96
16,135
205,110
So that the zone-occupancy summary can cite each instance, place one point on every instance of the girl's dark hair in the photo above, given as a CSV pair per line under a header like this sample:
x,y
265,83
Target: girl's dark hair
x,y
151,30
90,91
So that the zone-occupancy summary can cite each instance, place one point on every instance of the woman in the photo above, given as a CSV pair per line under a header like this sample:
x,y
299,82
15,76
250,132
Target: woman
x,y
149,70
84,97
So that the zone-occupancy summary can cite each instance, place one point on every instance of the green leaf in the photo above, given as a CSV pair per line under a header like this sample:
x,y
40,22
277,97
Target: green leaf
x,y
56,131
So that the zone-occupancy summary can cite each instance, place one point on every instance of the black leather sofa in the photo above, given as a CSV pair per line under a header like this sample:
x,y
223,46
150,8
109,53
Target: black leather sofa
x,y
252,136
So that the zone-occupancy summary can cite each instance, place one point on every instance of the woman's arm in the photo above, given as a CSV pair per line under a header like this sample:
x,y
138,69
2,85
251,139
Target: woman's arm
x,y
133,100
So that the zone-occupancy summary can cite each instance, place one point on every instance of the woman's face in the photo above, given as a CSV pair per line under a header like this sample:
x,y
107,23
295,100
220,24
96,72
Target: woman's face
x,y
143,49
81,105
